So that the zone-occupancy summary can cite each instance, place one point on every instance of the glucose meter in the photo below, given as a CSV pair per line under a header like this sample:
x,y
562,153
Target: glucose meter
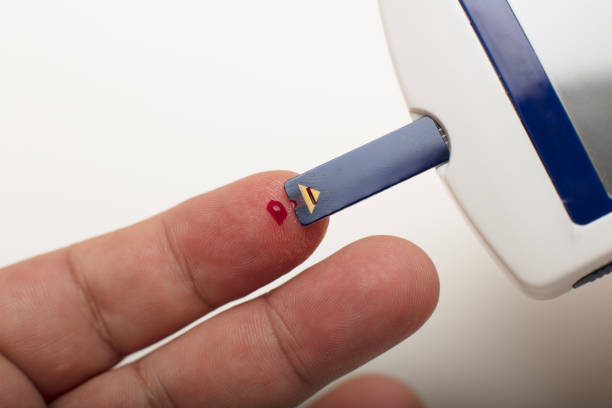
x,y
523,91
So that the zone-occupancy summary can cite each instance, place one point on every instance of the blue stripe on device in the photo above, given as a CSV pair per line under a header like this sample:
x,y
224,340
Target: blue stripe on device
x,y
367,170
543,115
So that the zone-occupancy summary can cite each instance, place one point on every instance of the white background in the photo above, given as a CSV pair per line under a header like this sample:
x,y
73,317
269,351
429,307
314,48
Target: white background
x,y
112,111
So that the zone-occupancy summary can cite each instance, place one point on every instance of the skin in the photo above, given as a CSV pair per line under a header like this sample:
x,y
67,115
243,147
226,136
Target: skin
x,y
67,317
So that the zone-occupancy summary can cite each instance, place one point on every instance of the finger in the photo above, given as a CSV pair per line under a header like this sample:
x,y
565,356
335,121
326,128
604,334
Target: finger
x,y
73,313
372,391
17,390
278,349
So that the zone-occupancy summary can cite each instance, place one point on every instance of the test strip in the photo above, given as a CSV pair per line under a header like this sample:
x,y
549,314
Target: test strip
x,y
367,170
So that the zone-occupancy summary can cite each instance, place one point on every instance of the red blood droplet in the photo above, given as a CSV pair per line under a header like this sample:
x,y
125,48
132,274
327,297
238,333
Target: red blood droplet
x,y
293,204
277,211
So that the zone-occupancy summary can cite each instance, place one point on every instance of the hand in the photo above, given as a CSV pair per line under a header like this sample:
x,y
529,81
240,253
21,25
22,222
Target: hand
x,y
67,317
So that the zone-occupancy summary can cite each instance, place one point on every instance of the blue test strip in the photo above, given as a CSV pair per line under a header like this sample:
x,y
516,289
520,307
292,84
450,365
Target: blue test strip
x,y
367,170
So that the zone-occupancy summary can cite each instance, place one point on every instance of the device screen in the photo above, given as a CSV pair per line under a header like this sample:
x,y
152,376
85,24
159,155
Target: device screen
x,y
572,40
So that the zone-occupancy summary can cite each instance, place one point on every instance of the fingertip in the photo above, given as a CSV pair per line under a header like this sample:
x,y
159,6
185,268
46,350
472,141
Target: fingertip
x,y
269,189
410,277
359,302
369,391
242,235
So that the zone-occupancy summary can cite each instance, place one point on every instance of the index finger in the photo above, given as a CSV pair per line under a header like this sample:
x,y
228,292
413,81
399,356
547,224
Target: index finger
x,y
68,315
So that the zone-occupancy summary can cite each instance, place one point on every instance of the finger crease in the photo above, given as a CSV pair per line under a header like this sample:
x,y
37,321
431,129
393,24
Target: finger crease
x,y
99,324
183,263
278,325
156,397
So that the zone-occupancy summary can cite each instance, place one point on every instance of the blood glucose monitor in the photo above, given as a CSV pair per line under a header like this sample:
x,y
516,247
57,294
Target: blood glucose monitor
x,y
522,91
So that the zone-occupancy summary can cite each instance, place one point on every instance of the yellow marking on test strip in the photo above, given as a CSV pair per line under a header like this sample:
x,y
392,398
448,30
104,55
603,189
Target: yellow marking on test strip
x,y
307,197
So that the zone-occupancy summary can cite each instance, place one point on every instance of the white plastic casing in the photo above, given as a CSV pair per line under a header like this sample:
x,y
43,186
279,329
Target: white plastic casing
x,y
494,172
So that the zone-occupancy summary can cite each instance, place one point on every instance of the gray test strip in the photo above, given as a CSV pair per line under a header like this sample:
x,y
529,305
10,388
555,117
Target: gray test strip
x,y
367,170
